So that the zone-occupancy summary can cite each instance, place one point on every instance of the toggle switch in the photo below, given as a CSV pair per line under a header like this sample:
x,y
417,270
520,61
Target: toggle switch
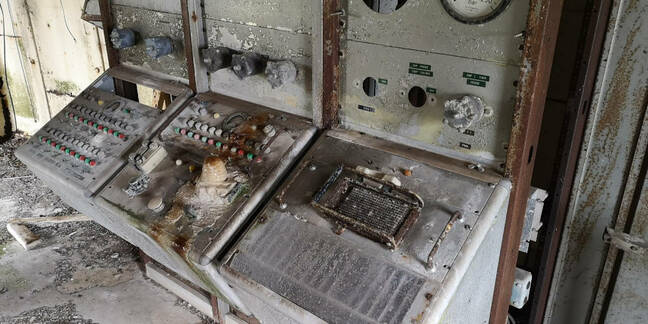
x,y
248,64
217,58
123,38
157,47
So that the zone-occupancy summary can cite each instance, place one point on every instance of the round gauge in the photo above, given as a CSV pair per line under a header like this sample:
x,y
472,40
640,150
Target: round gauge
x,y
475,11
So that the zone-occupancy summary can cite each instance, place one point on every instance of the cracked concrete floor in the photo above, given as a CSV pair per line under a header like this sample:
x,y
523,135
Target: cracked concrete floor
x,y
80,272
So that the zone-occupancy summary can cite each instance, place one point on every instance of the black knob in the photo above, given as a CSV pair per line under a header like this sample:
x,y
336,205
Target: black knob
x,y
248,64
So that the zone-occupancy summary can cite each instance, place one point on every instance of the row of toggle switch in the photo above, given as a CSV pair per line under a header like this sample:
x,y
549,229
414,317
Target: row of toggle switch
x,y
62,137
98,126
67,150
218,144
103,118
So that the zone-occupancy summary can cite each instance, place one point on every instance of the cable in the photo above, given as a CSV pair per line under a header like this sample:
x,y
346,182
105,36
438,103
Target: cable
x,y
22,67
4,59
65,20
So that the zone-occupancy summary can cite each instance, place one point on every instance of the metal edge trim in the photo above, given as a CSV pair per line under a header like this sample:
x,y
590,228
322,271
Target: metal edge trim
x,y
443,297
217,279
138,75
427,157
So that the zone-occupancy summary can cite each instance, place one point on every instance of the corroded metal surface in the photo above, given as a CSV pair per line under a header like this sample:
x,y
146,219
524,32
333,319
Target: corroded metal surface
x,y
541,35
187,19
277,30
626,301
107,23
561,186
331,30
150,23
295,252
369,206
420,57
605,175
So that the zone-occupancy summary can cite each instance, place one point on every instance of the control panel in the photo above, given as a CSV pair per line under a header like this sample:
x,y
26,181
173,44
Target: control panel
x,y
263,50
438,75
150,34
83,145
195,183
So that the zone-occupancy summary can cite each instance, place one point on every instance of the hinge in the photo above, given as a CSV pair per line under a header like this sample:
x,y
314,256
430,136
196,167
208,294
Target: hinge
x,y
625,241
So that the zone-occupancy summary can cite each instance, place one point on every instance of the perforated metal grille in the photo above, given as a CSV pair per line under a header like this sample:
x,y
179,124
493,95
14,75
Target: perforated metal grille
x,y
325,275
374,209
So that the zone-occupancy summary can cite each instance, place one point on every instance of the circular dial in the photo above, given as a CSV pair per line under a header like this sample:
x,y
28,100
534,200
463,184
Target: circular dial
x,y
475,11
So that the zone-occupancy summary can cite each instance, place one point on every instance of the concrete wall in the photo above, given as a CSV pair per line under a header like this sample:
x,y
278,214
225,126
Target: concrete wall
x,y
47,64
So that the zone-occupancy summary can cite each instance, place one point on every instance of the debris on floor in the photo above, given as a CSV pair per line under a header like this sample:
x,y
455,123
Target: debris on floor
x,y
79,272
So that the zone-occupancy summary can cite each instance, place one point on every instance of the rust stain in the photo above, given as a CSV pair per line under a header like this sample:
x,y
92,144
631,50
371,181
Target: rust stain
x,y
194,17
597,182
419,316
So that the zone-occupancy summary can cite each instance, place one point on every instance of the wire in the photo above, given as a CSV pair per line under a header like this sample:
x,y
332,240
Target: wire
x,y
65,20
4,59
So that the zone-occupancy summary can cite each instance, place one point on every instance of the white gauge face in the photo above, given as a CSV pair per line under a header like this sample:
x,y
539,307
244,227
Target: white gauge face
x,y
475,11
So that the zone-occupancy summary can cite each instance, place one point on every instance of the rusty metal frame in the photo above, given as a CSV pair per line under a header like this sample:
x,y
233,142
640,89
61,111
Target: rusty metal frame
x,y
122,88
578,103
539,45
188,47
331,30
105,9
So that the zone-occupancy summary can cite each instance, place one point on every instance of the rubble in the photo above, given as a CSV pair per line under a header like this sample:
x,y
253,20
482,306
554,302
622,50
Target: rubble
x,y
65,278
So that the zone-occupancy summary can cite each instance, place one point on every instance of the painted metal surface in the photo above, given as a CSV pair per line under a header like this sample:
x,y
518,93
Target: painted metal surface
x,y
169,6
606,172
389,114
276,29
420,48
425,26
579,94
296,253
628,302
332,29
182,234
149,23
194,38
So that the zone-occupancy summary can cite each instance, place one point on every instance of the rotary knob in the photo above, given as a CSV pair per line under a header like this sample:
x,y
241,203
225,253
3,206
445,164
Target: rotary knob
x,y
462,112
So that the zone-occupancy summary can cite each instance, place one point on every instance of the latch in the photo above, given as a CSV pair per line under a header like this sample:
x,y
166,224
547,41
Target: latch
x,y
625,241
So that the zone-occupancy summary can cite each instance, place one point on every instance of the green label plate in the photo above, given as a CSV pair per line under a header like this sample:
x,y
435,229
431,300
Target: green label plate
x,y
421,72
476,76
476,83
420,66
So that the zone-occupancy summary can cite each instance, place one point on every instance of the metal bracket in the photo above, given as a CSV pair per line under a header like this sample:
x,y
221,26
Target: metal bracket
x,y
625,241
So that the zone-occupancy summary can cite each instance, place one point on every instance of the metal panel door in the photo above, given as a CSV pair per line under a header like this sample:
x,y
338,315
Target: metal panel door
x,y
628,299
